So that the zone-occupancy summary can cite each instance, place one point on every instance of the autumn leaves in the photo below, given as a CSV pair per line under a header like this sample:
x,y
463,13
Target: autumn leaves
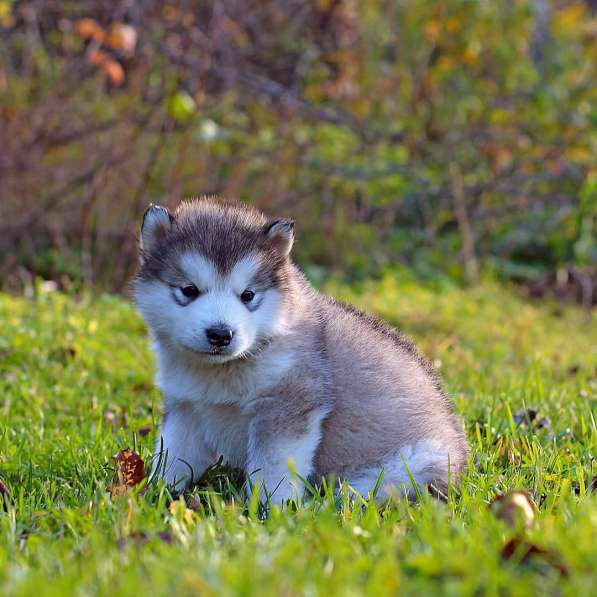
x,y
108,47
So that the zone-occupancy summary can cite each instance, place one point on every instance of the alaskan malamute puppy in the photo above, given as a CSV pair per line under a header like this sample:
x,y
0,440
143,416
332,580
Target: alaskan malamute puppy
x,y
258,367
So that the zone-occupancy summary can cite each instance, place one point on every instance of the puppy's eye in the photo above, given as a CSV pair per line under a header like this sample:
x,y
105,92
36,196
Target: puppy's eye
x,y
190,291
247,296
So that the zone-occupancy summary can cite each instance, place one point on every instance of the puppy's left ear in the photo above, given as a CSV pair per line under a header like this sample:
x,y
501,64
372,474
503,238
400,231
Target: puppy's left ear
x,y
157,223
281,235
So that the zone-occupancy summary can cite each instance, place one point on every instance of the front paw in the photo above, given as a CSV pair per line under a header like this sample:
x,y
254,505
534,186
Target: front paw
x,y
275,490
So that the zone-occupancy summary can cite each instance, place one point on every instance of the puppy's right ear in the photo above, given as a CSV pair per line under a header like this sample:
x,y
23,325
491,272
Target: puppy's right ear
x,y
157,223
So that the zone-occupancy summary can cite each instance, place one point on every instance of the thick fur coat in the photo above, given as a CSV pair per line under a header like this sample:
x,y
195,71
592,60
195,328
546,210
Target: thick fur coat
x,y
258,367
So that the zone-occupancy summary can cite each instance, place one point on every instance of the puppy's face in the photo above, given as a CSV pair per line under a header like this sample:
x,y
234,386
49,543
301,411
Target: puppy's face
x,y
212,278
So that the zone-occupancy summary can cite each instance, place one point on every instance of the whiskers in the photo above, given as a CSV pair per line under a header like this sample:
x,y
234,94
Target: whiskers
x,y
258,347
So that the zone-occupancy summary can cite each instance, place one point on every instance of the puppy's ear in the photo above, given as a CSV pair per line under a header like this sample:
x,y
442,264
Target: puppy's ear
x,y
281,235
157,223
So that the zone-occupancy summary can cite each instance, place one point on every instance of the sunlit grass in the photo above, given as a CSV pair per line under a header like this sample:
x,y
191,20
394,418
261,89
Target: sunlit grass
x,y
76,387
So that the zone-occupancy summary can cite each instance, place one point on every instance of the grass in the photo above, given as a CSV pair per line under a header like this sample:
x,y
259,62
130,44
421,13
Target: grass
x,y
76,387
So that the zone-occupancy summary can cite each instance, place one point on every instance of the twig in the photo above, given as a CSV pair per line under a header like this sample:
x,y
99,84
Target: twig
x,y
471,266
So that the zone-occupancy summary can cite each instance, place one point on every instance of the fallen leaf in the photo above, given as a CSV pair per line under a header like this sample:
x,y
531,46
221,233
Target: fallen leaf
x,y
530,553
130,471
515,508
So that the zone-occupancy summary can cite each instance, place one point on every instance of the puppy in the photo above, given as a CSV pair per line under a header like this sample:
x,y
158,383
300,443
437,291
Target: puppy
x,y
258,367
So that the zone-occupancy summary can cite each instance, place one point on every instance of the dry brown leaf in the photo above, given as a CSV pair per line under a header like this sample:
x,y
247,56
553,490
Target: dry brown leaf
x,y
530,553
130,471
515,508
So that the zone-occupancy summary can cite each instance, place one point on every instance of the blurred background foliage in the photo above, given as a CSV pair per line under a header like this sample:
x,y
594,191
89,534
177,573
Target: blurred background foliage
x,y
454,137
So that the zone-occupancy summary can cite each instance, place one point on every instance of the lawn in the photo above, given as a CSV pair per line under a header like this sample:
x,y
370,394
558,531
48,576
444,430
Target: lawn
x,y
76,388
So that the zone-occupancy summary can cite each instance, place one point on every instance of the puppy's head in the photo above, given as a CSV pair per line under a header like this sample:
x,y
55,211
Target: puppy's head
x,y
213,278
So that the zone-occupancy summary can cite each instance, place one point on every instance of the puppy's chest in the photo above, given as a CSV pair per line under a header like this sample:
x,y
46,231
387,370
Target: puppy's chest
x,y
238,388
221,403
225,431
217,414
236,385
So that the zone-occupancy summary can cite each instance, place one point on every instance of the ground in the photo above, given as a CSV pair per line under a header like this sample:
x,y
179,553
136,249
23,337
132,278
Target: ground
x,y
76,388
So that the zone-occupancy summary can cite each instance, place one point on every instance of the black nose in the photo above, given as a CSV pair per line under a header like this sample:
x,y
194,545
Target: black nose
x,y
219,336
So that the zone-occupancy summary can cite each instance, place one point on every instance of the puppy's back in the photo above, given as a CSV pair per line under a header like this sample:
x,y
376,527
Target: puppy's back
x,y
387,396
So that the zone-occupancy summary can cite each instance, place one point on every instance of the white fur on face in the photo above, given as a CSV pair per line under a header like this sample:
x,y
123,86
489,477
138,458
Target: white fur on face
x,y
218,305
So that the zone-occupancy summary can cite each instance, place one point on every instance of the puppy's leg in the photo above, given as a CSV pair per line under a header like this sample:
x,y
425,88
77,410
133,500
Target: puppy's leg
x,y
274,440
424,462
181,455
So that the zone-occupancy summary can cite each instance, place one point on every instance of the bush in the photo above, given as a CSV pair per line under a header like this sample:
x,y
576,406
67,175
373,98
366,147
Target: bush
x,y
447,136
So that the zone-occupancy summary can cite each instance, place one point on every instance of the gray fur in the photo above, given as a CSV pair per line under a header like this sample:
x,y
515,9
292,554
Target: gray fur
x,y
222,231
346,382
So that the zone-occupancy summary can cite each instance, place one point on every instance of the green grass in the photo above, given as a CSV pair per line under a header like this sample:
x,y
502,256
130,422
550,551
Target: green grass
x,y
73,370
